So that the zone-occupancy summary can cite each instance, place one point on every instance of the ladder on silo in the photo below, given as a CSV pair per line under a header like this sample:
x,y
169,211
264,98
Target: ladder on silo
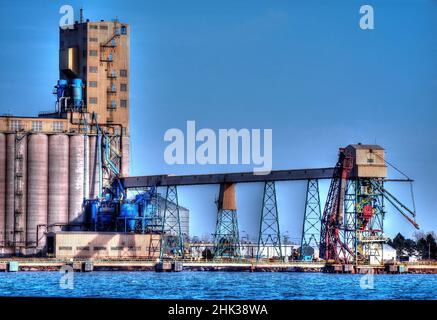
x,y
19,185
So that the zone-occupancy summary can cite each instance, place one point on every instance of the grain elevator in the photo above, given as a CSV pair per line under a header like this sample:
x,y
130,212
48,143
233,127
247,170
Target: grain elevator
x,y
51,163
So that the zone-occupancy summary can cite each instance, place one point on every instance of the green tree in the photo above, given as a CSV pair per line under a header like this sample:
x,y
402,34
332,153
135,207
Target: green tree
x,y
427,246
399,244
410,247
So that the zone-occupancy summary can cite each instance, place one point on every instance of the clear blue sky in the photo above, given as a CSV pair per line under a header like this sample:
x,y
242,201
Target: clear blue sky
x,y
302,68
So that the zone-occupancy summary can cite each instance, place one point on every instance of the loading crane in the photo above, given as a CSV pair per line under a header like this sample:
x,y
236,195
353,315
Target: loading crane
x,y
353,217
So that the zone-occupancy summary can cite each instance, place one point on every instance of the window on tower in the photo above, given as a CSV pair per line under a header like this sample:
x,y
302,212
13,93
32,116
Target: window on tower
x,y
36,126
58,126
16,125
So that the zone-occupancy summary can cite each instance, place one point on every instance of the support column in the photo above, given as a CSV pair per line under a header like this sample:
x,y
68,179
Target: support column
x,y
172,242
269,235
312,218
226,237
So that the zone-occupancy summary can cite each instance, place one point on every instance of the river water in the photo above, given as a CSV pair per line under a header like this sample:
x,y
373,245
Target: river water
x,y
219,285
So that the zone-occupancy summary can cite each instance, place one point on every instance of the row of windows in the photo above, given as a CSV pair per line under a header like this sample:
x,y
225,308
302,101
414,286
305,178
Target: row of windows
x,y
123,86
17,125
112,105
122,72
100,248
91,39
122,30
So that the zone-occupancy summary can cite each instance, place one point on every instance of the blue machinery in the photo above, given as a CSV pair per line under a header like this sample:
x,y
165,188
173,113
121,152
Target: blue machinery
x,y
69,94
111,214
113,211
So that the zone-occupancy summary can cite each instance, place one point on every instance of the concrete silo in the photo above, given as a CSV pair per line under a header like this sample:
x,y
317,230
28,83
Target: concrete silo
x,y
16,189
58,182
37,185
76,180
2,187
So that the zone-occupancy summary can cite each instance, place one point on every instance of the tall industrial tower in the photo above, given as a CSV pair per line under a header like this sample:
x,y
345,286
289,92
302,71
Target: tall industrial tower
x,y
50,163
96,55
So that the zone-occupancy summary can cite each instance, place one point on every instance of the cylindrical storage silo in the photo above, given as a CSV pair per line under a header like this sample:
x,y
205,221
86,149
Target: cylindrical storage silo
x,y
76,180
58,181
10,182
93,171
125,144
16,182
37,185
2,188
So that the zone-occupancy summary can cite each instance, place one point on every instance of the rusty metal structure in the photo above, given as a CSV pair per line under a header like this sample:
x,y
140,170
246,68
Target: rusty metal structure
x,y
353,218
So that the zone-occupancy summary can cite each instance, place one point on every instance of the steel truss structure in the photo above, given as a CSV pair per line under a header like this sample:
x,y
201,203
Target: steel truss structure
x,y
172,242
364,221
312,216
269,234
226,237
353,218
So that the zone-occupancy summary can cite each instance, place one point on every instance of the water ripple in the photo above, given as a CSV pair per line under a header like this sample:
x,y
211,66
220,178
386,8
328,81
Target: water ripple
x,y
218,285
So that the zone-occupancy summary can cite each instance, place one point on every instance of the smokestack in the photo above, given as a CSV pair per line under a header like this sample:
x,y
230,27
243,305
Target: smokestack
x,y
81,15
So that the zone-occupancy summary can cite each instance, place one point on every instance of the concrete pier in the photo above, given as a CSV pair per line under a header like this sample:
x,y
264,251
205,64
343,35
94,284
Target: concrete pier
x,y
147,265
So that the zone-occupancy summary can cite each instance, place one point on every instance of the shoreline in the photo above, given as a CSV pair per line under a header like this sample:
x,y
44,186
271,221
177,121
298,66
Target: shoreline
x,y
21,264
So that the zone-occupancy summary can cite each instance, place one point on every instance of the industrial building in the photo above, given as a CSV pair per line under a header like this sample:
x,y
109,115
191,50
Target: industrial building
x,y
115,245
50,163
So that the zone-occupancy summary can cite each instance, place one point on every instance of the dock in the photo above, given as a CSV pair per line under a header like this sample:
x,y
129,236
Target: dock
x,y
22,264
